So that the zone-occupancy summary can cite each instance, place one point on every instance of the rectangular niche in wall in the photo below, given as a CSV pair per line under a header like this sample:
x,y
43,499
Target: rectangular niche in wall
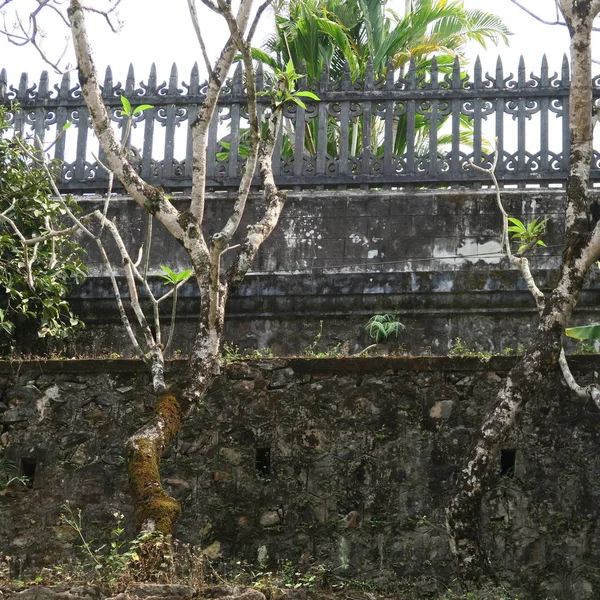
x,y
28,467
507,463
263,461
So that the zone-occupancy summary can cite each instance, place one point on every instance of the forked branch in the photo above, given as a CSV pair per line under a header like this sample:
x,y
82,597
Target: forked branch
x,y
521,263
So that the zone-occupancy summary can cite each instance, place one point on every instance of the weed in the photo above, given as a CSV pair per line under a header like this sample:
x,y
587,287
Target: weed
x,y
459,348
7,467
310,349
585,348
485,593
146,558
382,327
231,353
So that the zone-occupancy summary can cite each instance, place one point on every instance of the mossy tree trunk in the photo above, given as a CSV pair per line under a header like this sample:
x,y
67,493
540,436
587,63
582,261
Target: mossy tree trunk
x,y
582,248
154,509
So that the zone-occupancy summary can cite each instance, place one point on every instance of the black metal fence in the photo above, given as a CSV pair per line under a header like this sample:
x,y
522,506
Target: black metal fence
x,y
400,129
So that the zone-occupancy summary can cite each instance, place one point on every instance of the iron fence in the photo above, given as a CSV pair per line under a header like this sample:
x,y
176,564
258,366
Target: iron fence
x,y
411,128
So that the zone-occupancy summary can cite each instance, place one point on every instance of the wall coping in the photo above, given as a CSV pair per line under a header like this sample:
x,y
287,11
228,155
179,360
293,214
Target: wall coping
x,y
299,364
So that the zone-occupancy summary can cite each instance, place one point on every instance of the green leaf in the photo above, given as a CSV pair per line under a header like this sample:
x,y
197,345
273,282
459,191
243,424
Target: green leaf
x,y
307,94
141,108
67,125
298,102
584,332
126,106
173,278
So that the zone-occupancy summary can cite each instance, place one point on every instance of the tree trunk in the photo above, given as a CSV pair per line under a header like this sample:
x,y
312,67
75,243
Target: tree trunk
x,y
154,509
525,379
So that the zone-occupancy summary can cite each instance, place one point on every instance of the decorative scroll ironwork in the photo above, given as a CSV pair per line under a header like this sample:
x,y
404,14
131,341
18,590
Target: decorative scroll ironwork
x,y
404,129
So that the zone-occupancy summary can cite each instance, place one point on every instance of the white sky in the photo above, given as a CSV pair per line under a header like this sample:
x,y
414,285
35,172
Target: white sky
x,y
153,33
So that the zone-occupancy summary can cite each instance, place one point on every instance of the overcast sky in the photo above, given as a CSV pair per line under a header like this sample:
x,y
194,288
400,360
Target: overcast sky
x,y
153,33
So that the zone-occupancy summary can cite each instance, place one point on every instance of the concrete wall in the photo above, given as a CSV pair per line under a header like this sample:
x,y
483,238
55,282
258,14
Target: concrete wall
x,y
340,257
344,464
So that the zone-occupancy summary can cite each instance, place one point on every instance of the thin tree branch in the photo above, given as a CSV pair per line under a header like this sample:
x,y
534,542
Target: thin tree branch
x,y
540,19
257,18
196,24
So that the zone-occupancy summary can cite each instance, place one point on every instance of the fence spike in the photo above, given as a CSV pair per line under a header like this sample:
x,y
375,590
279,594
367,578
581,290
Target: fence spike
x,y
108,83
544,72
346,80
477,72
130,82
368,83
303,81
237,88
65,85
521,73
456,78
499,73
23,85
152,79
324,82
389,74
173,79
565,70
434,73
194,79
260,77
412,74
43,88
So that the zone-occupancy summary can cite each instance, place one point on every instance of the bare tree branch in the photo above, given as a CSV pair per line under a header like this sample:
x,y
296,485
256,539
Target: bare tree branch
x,y
542,20
151,198
257,17
196,24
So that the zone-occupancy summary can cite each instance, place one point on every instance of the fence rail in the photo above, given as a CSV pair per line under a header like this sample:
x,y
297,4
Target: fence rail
x,y
394,130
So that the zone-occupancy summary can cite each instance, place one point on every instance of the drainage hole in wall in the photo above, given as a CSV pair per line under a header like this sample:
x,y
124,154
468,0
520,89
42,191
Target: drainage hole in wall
x,y
263,461
28,466
507,463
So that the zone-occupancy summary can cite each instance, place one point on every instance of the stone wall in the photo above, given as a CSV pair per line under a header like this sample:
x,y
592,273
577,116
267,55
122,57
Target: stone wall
x,y
340,257
344,464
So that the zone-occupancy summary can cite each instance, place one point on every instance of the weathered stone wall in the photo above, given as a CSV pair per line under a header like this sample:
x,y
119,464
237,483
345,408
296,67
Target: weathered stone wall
x,y
343,463
340,257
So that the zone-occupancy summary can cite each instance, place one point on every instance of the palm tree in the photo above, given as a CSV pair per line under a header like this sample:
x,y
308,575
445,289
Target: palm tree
x,y
331,32
351,34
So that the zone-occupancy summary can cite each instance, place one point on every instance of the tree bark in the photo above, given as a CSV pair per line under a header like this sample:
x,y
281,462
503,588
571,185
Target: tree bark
x,y
154,509
525,379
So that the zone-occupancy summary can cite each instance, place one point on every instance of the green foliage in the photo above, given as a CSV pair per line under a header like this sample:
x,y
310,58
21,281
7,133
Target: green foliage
x,y
172,278
284,87
382,327
583,348
7,468
120,560
232,352
484,593
529,235
35,278
329,32
459,348
584,332
127,109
